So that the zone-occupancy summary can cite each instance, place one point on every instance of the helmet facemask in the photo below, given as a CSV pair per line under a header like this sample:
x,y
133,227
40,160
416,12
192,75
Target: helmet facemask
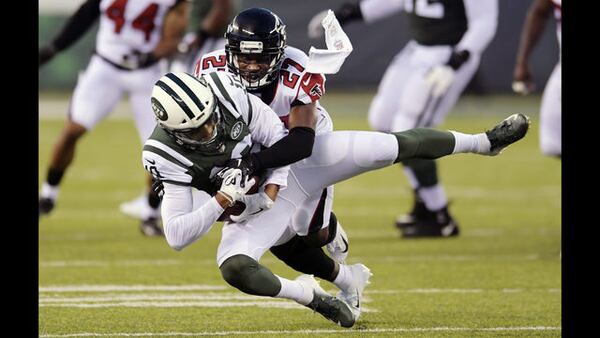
x,y
206,138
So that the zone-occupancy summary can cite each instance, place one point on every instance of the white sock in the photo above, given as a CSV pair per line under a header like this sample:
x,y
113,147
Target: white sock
x,y
467,143
49,191
434,197
344,278
293,290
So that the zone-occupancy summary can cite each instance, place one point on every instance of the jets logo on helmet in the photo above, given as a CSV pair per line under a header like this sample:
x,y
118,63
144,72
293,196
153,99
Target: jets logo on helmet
x,y
255,43
187,109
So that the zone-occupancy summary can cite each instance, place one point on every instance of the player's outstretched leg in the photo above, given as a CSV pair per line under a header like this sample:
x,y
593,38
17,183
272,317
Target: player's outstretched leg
x,y
62,157
247,275
432,143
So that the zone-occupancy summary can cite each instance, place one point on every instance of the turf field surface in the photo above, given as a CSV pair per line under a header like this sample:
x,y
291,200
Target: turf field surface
x,y
98,276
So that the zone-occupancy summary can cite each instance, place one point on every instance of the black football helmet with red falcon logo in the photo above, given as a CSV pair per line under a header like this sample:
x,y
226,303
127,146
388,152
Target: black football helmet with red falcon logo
x,y
256,39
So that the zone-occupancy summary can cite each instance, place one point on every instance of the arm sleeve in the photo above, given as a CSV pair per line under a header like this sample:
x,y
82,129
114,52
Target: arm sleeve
x,y
374,10
78,24
187,215
483,20
267,129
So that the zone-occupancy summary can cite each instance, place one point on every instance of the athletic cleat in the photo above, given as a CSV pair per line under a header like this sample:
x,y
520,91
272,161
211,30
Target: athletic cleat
x,y
353,296
419,211
45,206
338,248
509,131
432,224
328,306
151,228
136,207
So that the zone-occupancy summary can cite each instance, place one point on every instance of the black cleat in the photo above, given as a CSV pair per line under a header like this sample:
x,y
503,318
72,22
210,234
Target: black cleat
x,y
45,206
419,211
509,131
151,228
433,224
333,309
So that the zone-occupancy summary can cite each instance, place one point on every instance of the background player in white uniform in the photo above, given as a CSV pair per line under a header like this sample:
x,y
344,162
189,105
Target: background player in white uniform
x,y
206,35
204,122
550,110
422,83
132,37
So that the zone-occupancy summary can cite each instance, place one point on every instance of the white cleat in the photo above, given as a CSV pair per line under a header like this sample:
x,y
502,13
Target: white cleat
x,y
353,296
138,208
338,248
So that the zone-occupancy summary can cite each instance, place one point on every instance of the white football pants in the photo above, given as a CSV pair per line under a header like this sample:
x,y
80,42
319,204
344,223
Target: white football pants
x,y
100,88
336,156
403,100
550,115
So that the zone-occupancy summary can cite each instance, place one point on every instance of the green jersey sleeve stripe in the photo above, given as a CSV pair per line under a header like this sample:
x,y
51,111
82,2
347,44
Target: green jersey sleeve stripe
x,y
165,155
249,110
215,77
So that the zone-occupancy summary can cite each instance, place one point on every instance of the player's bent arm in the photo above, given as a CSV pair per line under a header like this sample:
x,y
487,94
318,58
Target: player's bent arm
x,y
182,224
535,23
375,10
77,25
296,145
217,17
482,17
174,28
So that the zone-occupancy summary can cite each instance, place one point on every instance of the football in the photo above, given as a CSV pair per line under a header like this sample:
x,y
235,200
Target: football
x,y
238,207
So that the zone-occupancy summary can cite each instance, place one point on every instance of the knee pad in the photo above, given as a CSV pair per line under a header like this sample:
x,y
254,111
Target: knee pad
x,y
247,275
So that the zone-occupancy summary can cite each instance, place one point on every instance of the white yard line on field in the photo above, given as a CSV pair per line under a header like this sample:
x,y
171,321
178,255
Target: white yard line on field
x,y
284,332
109,288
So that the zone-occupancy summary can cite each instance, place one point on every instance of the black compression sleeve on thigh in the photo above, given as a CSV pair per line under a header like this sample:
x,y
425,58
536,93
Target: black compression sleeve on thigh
x,y
425,171
303,258
424,143
297,145
247,275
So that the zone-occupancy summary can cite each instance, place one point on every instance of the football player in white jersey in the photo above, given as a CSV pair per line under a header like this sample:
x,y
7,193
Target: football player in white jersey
x,y
335,156
421,85
550,110
277,75
132,37
205,123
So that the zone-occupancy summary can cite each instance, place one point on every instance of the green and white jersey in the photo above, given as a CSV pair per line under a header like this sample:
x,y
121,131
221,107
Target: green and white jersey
x,y
245,121
187,213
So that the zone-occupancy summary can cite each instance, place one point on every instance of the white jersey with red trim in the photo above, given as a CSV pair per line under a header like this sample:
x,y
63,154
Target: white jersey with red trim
x,y
128,25
294,84
558,16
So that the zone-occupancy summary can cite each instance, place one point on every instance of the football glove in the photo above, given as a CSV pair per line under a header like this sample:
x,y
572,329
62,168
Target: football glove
x,y
158,188
522,81
255,204
233,186
440,78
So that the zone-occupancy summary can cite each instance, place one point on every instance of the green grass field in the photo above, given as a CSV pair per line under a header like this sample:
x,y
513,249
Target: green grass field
x,y
98,276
